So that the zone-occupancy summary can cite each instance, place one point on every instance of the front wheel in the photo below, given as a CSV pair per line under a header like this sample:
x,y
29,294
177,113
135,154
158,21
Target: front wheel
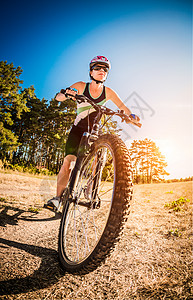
x,y
92,222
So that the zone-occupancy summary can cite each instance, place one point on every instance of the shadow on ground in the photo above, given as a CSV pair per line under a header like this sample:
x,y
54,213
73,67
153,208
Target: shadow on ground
x,y
10,215
48,273
49,270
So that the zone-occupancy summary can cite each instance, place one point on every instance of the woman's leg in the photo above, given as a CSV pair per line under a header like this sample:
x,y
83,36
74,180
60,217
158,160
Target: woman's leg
x,y
62,180
64,174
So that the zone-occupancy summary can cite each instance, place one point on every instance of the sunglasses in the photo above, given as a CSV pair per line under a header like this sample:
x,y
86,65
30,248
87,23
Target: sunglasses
x,y
97,68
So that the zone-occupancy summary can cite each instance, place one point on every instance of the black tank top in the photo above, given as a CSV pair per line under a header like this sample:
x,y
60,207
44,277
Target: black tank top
x,y
89,118
96,100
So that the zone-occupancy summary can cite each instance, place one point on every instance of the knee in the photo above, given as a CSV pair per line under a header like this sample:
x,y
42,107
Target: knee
x,y
68,161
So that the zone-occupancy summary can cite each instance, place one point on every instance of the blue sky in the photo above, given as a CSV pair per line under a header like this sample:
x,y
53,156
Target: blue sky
x,y
148,43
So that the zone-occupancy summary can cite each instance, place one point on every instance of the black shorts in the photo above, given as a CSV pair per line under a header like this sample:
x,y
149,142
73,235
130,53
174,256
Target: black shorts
x,y
73,140
76,133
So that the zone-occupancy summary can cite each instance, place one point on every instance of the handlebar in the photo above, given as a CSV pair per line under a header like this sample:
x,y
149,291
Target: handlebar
x,y
105,110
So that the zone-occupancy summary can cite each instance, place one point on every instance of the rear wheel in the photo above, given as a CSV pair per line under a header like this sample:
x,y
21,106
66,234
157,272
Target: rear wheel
x,y
92,222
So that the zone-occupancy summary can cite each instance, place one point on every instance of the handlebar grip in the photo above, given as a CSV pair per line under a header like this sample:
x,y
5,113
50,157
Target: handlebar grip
x,y
135,123
63,91
138,124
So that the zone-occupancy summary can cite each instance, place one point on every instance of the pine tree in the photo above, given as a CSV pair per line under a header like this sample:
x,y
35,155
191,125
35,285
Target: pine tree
x,y
148,162
59,120
29,128
11,103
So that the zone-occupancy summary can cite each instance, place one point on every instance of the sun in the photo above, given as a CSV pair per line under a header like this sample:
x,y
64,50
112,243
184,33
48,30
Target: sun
x,y
167,151
166,148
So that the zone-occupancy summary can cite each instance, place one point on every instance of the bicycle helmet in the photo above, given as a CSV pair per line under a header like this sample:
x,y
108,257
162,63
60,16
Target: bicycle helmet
x,y
100,60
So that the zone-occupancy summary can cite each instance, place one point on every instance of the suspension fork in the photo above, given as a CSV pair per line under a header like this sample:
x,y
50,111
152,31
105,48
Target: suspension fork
x,y
82,150
101,159
95,129
86,140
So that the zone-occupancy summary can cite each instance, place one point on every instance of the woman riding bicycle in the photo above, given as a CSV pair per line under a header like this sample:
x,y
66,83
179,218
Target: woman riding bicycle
x,y
100,94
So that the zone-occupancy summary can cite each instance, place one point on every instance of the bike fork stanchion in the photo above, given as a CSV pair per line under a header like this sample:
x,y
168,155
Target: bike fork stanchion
x,y
81,153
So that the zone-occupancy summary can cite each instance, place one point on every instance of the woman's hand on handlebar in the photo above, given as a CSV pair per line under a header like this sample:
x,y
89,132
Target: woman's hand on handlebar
x,y
60,97
134,119
65,94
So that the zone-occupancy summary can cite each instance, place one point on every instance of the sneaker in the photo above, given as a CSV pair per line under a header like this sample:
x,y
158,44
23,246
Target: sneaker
x,y
53,204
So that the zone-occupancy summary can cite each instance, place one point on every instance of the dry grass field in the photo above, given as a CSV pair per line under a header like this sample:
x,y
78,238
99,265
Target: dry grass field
x,y
153,259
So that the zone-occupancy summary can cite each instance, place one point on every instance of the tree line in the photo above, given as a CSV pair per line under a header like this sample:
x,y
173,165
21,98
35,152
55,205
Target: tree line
x,y
33,131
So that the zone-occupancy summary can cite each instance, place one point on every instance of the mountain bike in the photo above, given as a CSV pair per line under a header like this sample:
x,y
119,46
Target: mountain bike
x,y
97,199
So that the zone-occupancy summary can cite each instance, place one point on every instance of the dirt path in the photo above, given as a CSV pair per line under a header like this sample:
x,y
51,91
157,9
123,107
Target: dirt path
x,y
152,260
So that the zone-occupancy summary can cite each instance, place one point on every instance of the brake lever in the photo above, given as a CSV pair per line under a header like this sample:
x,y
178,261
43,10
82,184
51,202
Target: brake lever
x,y
135,123
80,98
126,118
108,111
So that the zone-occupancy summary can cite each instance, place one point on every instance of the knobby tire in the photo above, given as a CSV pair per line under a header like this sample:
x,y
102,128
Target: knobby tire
x,y
117,215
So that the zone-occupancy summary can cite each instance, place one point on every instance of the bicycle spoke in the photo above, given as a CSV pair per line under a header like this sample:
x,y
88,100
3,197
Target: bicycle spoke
x,y
76,235
84,230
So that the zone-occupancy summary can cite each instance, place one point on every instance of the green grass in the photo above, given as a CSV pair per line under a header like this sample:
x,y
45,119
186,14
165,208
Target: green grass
x,y
3,199
34,209
177,204
175,232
